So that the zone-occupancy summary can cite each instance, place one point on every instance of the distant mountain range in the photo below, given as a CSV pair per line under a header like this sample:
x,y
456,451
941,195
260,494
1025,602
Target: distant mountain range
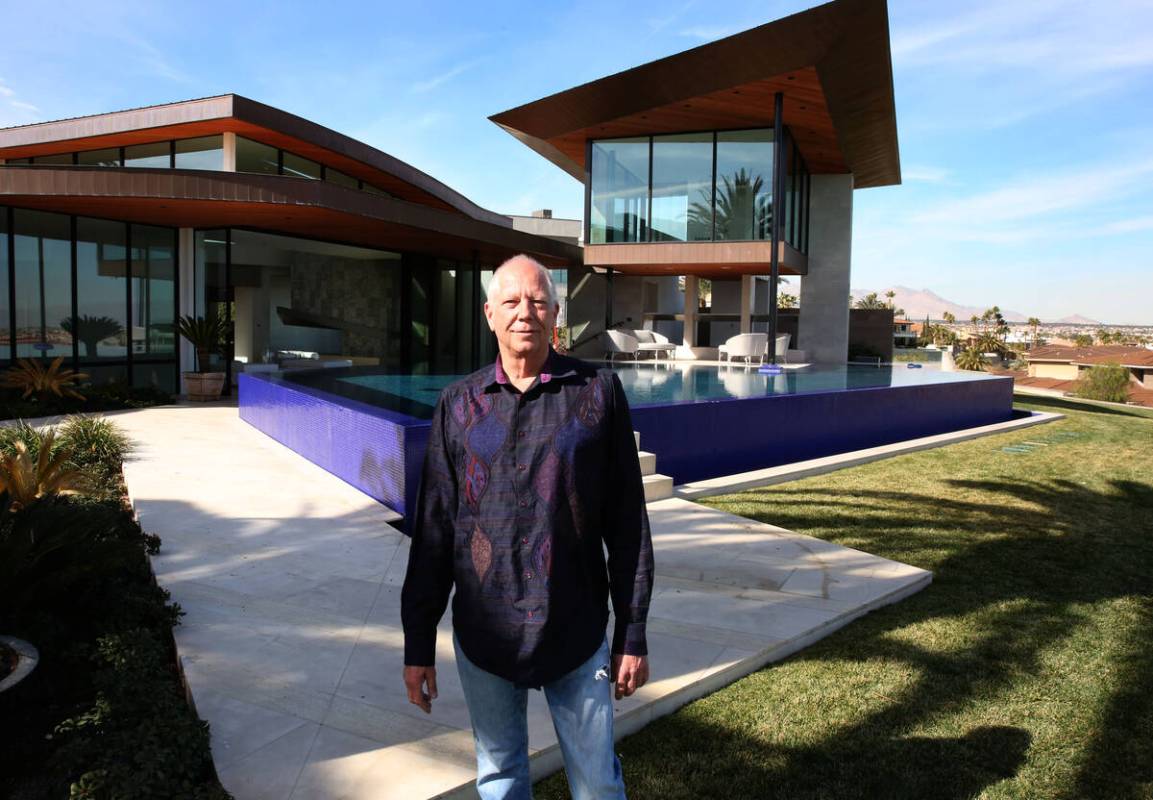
x,y
921,303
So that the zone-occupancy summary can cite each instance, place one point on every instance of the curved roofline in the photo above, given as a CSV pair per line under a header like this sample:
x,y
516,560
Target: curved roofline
x,y
206,199
242,109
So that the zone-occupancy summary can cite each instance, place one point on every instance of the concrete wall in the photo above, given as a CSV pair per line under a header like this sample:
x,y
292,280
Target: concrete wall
x,y
1060,372
824,325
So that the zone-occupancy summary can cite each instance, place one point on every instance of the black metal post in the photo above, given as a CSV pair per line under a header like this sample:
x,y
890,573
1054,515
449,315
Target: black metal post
x,y
609,299
775,234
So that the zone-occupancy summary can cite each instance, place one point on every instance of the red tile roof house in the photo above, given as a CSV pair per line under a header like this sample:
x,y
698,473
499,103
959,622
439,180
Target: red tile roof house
x,y
1058,368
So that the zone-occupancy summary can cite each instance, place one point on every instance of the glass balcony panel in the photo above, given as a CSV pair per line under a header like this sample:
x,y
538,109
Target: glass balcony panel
x,y
620,191
109,157
205,152
683,188
744,203
156,155
256,157
299,167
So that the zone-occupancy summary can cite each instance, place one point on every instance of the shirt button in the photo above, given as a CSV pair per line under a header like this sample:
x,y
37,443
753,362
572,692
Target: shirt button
x,y
528,576
524,540
521,467
524,503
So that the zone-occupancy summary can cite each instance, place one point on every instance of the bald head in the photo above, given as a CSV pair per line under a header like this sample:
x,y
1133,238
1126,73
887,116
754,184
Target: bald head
x,y
517,264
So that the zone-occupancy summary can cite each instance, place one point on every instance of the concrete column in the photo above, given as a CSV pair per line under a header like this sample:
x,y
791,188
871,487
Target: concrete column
x,y
229,151
747,304
692,302
186,304
824,321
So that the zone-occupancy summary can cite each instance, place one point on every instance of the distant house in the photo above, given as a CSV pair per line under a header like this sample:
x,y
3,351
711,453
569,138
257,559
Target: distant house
x,y
905,333
1068,363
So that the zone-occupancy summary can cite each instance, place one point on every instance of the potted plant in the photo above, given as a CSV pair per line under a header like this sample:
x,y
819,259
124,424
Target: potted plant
x,y
205,334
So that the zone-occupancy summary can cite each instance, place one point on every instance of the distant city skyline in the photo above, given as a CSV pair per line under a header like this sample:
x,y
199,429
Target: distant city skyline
x,y
1024,128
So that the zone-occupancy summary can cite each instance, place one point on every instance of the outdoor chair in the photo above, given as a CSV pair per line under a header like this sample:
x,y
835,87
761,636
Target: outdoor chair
x,y
618,342
655,343
744,345
781,349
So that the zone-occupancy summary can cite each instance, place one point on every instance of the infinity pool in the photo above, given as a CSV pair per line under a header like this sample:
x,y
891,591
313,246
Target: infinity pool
x,y
702,421
645,384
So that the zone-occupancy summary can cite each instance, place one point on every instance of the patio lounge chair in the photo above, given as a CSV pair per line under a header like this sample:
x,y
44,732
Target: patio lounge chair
x,y
781,348
744,345
655,343
618,342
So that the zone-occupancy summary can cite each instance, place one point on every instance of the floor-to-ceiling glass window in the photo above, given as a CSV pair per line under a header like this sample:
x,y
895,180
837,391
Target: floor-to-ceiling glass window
x,y
101,298
5,318
212,296
153,309
682,188
256,157
155,155
205,152
108,157
744,184
620,191
43,266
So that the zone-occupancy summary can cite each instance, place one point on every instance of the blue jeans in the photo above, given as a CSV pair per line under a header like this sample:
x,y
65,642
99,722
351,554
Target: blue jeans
x,y
582,714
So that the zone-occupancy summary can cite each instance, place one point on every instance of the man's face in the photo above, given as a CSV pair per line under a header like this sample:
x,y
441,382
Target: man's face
x,y
520,313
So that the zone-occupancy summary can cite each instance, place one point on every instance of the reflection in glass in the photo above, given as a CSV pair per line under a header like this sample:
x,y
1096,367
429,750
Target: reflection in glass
x,y
256,157
109,157
744,206
336,176
5,319
157,155
682,188
205,152
299,167
620,191
368,187
101,290
43,267
212,295
153,292
60,159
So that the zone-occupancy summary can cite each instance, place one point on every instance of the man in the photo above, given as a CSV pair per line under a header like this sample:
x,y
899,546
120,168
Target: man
x,y
531,473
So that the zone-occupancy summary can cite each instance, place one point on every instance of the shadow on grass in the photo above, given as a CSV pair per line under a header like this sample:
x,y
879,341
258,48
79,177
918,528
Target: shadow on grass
x,y
1016,597
1059,405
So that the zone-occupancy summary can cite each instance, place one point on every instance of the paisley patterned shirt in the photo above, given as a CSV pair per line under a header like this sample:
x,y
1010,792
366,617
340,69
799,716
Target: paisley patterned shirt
x,y
521,496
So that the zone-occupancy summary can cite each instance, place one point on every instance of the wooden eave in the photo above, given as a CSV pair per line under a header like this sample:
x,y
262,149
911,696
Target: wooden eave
x,y
832,64
277,204
248,118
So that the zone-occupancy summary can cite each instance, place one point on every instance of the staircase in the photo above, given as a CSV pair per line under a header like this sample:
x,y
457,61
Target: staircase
x,y
657,487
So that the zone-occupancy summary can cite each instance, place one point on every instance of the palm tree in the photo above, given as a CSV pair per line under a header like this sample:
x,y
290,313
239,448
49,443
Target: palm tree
x,y
971,359
742,212
91,331
890,295
870,301
1034,326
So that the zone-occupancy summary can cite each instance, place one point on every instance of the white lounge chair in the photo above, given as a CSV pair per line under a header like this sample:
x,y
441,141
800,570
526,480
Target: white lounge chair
x,y
781,348
745,345
655,343
618,342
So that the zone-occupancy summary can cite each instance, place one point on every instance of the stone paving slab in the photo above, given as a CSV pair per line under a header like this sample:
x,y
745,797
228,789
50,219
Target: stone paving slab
x,y
292,644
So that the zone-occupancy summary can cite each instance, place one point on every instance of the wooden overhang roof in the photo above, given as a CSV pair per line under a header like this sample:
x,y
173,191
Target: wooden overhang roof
x,y
832,63
294,206
248,118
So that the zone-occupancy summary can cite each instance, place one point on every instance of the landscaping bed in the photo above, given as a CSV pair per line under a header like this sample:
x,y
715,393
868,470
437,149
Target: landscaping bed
x,y
1024,671
104,714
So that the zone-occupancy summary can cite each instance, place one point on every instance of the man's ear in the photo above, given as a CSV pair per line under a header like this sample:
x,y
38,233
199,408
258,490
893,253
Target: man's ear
x,y
488,318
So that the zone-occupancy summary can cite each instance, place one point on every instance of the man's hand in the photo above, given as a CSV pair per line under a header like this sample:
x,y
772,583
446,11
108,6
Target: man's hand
x,y
629,673
415,679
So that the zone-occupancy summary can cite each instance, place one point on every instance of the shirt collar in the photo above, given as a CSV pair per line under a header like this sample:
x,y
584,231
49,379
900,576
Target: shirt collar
x,y
555,366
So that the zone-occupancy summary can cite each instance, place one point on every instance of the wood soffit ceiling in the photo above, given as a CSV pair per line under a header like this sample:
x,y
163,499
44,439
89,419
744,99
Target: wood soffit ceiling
x,y
248,118
197,199
832,63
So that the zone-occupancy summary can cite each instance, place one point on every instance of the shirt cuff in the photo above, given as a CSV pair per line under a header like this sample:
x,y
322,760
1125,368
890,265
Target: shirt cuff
x,y
420,649
630,640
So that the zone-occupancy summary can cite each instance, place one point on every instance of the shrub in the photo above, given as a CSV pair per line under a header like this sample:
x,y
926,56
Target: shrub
x,y
94,443
1109,382
33,379
26,477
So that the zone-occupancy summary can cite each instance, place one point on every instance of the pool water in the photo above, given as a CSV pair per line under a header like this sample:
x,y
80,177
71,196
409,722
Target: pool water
x,y
644,384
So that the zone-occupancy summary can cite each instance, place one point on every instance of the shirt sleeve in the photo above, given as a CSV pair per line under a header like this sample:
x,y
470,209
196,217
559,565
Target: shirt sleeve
x,y
428,581
626,532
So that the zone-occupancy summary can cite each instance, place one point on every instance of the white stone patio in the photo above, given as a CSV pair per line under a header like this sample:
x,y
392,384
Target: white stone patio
x,y
292,645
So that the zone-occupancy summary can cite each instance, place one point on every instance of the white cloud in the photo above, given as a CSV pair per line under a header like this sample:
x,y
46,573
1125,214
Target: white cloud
x,y
445,77
924,173
24,106
5,91
709,33
1131,225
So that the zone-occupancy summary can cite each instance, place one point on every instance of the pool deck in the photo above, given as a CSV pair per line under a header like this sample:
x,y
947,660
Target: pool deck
x,y
291,641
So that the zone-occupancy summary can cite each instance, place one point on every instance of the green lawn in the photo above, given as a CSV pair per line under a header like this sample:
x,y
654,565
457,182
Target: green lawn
x,y
1024,671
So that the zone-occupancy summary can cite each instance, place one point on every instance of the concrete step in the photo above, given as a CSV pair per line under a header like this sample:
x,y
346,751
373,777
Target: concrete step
x,y
657,487
648,462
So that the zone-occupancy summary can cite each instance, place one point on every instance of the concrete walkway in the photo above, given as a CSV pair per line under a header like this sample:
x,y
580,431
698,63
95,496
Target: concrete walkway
x,y
292,645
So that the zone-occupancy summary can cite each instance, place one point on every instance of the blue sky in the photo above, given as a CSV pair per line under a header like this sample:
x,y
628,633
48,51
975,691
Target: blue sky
x,y
1026,127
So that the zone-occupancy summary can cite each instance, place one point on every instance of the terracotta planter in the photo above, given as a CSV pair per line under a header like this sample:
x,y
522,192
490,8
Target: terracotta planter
x,y
203,386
